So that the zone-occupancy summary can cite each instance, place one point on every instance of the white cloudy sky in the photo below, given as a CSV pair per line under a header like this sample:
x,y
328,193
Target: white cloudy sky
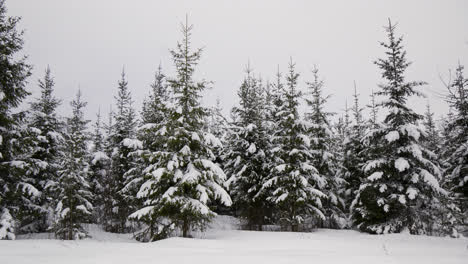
x,y
86,43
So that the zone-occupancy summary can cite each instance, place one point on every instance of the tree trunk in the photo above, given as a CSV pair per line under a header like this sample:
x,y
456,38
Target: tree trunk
x,y
185,228
294,227
70,227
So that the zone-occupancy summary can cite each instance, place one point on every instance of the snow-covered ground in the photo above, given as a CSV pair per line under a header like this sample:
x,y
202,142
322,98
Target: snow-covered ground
x,y
223,245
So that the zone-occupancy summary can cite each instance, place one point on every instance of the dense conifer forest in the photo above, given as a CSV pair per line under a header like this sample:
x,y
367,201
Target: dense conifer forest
x,y
278,161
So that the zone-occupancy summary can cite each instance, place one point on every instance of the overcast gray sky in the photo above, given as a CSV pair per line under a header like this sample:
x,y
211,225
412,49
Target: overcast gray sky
x,y
87,42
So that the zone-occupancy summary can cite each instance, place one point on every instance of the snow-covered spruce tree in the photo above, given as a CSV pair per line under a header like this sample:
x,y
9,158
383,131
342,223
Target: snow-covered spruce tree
x,y
445,212
106,203
155,113
277,101
451,216
246,158
456,172
155,106
371,124
341,131
401,180
123,142
217,125
354,151
324,157
73,196
433,140
99,172
447,139
15,188
46,155
273,102
108,130
270,110
181,179
296,185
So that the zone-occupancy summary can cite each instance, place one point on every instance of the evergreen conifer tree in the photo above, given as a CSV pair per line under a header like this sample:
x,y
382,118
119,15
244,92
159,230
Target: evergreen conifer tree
x,y
155,107
106,202
181,179
47,152
99,178
324,157
15,188
218,125
277,94
446,213
123,142
247,156
354,151
74,199
296,185
342,130
401,179
155,113
433,139
456,156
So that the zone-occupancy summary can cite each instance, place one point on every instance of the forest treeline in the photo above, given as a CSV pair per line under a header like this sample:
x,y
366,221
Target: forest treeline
x,y
170,167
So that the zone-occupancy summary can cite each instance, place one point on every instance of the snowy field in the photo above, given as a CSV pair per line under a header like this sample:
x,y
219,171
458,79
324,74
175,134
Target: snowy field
x,y
223,245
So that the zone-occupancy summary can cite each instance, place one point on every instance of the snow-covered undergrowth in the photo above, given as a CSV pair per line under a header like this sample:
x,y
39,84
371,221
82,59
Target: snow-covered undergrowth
x,y
223,244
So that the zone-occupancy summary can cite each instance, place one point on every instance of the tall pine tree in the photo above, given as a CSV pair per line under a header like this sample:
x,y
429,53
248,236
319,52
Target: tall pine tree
x,y
47,150
74,199
324,157
155,113
246,158
15,189
354,151
99,178
456,157
181,179
401,179
123,143
296,185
